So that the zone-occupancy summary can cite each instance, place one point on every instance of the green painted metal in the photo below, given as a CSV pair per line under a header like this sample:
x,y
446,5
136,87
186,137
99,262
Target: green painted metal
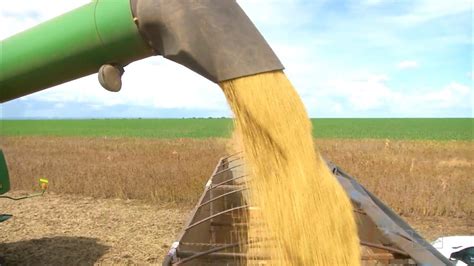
x,y
4,179
4,217
68,47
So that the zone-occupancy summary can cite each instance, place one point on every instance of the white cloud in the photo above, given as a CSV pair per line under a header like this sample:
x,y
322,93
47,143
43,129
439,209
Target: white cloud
x,y
362,93
454,94
372,2
24,14
152,82
274,13
371,92
425,10
407,64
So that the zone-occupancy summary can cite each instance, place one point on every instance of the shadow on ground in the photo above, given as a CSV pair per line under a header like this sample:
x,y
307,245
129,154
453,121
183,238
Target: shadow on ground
x,y
53,251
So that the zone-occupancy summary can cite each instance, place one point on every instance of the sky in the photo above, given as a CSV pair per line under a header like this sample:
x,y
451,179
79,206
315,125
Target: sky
x,y
351,58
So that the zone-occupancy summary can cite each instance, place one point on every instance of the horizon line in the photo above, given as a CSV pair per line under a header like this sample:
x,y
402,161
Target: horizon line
x,y
209,117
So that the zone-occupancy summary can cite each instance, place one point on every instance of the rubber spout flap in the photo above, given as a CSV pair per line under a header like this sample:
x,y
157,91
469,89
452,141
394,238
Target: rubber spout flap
x,y
214,38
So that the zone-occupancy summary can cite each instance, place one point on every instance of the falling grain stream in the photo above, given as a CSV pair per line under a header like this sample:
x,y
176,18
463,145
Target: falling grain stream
x,y
303,209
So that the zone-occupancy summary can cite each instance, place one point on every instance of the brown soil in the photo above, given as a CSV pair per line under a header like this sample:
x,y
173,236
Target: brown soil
x,y
67,230
433,227
71,230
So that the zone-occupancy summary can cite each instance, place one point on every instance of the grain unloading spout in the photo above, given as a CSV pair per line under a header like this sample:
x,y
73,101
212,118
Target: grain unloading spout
x,y
214,38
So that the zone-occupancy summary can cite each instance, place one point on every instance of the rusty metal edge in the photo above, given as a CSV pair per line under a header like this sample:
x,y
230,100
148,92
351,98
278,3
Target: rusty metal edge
x,y
168,258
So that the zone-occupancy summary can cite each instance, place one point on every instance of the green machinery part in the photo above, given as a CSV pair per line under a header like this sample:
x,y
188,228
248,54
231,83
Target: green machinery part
x,y
68,47
214,38
5,182
5,187
4,178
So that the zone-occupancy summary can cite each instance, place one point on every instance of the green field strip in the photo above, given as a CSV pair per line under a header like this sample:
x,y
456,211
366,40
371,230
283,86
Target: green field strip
x,y
342,128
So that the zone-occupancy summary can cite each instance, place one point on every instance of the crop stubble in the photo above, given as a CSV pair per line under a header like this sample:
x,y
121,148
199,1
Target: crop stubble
x,y
428,182
422,178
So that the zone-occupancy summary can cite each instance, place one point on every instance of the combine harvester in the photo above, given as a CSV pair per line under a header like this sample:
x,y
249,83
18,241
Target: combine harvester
x,y
217,40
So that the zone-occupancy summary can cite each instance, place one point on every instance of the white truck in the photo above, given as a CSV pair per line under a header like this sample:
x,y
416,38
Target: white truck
x,y
458,249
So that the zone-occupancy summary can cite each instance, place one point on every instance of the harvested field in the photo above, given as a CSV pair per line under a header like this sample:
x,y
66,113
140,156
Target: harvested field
x,y
160,171
72,230
69,230
421,178
429,183
415,178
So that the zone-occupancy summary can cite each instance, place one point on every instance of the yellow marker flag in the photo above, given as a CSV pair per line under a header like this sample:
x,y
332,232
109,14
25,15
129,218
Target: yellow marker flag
x,y
43,183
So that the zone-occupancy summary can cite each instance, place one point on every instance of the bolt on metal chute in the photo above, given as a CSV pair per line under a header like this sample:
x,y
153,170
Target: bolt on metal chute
x,y
214,38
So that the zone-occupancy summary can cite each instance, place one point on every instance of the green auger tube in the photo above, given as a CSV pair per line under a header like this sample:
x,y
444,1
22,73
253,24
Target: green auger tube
x,y
213,38
70,46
